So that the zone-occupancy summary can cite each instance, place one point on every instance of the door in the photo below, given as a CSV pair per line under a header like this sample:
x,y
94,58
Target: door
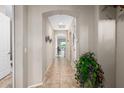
x,y
5,67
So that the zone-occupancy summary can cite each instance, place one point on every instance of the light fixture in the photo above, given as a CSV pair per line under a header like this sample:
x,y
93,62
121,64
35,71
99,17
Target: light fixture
x,y
60,24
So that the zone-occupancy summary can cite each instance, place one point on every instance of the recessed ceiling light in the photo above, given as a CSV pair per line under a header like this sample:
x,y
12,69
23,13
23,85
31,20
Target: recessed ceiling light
x,y
60,23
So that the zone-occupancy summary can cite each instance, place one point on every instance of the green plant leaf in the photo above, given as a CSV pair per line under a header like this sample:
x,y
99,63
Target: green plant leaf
x,y
88,71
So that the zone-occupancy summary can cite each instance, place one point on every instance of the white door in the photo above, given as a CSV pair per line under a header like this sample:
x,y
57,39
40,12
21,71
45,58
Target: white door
x,y
5,67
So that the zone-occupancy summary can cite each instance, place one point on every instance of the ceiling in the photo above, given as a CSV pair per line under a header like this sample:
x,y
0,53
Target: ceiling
x,y
60,22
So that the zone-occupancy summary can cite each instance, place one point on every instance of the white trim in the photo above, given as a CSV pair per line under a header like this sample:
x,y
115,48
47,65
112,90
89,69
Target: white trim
x,y
40,84
36,85
48,66
13,46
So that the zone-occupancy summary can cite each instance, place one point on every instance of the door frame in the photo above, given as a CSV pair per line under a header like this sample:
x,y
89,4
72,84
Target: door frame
x,y
13,45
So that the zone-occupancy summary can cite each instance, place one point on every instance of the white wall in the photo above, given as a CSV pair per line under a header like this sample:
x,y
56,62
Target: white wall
x,y
34,46
91,31
105,41
25,46
120,50
50,45
83,37
73,42
21,46
106,50
68,42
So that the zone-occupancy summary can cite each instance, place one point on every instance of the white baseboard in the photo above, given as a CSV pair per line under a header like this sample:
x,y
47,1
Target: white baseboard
x,y
36,85
40,84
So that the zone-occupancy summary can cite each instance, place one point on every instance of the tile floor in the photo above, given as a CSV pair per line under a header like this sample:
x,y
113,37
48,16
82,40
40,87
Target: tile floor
x,y
60,75
6,82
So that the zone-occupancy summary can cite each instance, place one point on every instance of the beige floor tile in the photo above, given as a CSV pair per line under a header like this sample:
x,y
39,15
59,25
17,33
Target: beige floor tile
x,y
6,82
60,75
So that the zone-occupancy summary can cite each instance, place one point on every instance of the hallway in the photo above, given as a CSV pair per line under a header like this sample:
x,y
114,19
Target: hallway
x,y
60,75
42,32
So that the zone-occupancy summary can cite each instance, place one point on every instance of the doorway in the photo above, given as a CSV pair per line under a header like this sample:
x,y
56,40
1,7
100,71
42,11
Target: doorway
x,y
6,46
61,47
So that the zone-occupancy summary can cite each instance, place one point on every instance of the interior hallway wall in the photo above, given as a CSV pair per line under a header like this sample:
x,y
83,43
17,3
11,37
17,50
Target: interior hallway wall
x,y
50,44
105,27
68,52
73,42
35,42
106,50
25,46
21,46
120,49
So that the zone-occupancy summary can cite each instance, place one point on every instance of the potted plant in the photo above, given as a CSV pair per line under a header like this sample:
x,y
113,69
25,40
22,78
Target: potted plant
x,y
89,72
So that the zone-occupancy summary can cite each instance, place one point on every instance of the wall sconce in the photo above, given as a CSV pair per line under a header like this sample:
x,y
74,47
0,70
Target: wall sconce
x,y
50,40
46,38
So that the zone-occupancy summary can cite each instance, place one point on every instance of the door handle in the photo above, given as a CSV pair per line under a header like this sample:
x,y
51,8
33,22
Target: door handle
x,y
10,53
